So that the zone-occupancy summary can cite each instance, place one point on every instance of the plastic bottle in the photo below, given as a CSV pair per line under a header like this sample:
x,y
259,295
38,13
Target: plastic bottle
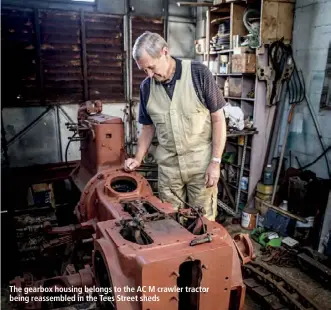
x,y
268,175
244,183
226,88
284,205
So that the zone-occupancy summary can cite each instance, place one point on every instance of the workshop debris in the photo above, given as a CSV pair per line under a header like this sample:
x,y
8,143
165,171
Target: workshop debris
x,y
235,117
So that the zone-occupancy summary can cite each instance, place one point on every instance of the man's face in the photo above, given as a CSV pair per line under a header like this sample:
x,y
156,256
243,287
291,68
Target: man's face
x,y
157,68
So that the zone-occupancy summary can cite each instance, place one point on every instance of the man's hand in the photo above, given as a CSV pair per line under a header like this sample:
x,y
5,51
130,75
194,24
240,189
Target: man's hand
x,y
212,174
144,142
131,164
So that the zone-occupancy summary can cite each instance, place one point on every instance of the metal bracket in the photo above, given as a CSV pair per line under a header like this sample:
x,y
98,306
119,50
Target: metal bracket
x,y
266,74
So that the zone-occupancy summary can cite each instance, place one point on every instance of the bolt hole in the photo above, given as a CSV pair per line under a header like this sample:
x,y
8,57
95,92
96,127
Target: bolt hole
x,y
226,278
225,289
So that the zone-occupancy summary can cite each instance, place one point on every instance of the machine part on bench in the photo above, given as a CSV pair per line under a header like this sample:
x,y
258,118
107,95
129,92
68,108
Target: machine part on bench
x,y
139,242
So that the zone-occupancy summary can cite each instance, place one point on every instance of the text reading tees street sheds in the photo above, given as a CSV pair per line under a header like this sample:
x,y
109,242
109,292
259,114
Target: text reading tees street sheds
x,y
95,293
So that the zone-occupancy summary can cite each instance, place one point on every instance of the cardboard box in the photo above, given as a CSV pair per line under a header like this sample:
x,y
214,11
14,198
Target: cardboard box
x,y
235,87
244,63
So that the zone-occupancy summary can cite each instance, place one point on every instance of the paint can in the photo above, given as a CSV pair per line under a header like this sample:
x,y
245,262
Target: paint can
x,y
249,218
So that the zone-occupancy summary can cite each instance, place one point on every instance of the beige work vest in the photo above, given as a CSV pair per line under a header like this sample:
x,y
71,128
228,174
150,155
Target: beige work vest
x,y
183,126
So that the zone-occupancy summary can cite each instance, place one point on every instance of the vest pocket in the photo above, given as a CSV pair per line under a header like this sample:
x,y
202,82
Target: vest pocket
x,y
161,128
197,123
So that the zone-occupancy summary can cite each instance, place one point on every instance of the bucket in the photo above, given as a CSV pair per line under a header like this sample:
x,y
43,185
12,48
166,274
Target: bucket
x,y
249,218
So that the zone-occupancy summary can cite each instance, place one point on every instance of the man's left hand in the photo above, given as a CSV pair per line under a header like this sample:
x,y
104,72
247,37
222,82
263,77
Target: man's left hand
x,y
212,174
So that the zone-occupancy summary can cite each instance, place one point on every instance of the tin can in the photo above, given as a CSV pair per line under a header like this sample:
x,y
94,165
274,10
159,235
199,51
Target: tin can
x,y
249,218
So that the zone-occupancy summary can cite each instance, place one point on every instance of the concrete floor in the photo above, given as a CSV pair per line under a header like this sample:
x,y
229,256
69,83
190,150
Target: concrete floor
x,y
308,286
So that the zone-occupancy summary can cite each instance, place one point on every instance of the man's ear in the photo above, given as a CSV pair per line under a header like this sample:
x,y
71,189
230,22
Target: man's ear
x,y
165,51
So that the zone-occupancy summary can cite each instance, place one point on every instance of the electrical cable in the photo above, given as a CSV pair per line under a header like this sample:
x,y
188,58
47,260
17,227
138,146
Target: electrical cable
x,y
303,96
279,55
67,148
319,135
317,158
296,86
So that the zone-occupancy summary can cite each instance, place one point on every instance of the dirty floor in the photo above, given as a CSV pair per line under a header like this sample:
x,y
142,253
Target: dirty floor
x,y
308,286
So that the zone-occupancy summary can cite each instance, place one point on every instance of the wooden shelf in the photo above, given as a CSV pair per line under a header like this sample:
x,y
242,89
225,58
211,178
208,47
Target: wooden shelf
x,y
220,52
234,74
240,85
238,98
238,133
219,20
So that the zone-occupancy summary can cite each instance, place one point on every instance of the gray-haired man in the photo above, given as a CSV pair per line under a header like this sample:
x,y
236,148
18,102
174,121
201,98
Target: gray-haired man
x,y
181,101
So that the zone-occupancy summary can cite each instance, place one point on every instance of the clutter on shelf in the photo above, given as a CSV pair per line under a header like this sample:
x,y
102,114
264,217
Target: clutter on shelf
x,y
234,116
221,40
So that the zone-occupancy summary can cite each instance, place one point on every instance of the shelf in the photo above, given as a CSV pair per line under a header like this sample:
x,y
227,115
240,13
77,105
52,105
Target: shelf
x,y
236,187
236,144
242,85
236,166
220,52
237,133
238,98
233,74
219,20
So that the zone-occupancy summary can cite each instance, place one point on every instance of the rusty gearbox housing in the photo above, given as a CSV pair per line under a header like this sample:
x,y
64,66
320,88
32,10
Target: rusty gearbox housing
x,y
169,259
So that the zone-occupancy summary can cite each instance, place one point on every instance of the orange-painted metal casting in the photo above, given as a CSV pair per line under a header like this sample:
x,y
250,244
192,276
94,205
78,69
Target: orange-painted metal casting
x,y
176,259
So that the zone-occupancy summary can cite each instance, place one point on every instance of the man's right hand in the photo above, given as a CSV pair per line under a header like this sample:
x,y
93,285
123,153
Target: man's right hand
x,y
131,164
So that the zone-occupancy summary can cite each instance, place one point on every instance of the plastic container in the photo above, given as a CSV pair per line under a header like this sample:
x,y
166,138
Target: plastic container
x,y
284,205
268,175
244,183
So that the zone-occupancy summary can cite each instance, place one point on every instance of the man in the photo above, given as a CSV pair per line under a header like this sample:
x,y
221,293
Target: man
x,y
181,101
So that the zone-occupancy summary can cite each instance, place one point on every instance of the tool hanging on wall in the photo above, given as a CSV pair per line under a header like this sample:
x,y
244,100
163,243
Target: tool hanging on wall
x,y
279,72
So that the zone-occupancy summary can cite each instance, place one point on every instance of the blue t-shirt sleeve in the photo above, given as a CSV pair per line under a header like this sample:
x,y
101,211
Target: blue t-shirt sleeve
x,y
144,117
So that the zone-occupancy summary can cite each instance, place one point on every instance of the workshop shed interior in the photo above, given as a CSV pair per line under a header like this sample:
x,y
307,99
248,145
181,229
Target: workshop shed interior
x,y
71,217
